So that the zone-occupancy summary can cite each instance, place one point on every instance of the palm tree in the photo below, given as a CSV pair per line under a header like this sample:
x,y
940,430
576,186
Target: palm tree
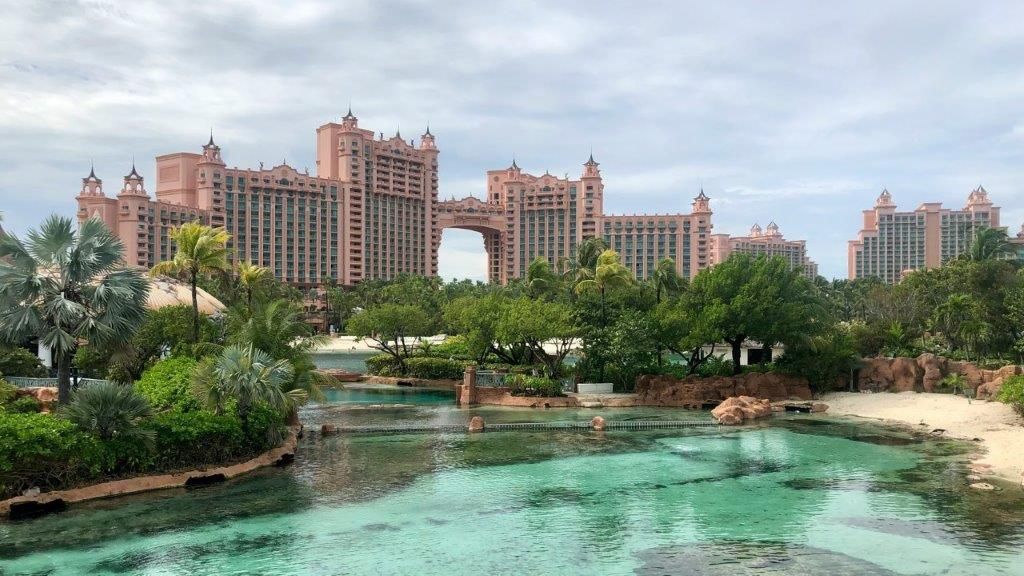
x,y
249,276
61,287
109,410
246,375
990,244
609,274
200,249
951,315
280,330
665,279
540,279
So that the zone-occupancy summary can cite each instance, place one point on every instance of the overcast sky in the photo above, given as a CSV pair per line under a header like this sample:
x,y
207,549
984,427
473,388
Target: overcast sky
x,y
799,112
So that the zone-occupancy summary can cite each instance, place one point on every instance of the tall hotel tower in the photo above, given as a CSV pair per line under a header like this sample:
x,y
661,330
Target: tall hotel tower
x,y
372,211
892,243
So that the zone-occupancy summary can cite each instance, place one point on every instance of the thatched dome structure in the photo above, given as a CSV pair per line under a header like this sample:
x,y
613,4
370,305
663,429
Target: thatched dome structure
x,y
164,291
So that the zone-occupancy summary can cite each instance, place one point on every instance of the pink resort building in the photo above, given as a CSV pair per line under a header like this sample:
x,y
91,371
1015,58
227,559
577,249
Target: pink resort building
x,y
767,242
372,211
892,243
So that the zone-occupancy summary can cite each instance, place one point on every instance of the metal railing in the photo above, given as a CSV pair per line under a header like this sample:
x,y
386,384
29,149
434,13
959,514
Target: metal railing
x,y
490,379
23,382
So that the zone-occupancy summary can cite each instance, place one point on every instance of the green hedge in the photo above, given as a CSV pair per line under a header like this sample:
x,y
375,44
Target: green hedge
x,y
48,452
382,365
168,385
435,368
522,385
188,439
424,367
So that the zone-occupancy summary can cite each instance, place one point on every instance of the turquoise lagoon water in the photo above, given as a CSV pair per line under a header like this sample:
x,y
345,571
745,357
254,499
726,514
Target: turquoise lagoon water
x,y
798,496
350,361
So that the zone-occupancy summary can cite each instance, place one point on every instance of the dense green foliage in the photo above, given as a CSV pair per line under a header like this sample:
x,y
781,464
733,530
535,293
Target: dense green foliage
x,y
63,285
47,452
523,385
1012,393
167,385
16,361
109,411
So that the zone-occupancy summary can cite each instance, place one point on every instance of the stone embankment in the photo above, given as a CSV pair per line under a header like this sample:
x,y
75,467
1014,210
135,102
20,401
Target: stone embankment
x,y
696,391
57,500
926,372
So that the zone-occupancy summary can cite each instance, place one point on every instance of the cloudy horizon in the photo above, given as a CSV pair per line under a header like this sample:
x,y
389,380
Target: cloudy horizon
x,y
795,112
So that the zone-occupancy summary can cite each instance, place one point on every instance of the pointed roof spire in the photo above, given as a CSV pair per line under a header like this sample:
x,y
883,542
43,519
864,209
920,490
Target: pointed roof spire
x,y
398,131
134,173
590,161
349,115
427,133
702,195
210,144
514,166
92,171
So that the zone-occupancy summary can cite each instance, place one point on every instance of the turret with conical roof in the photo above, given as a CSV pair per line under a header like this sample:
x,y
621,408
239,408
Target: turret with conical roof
x,y
427,140
590,168
702,203
772,230
91,185
884,199
211,152
755,231
349,120
133,184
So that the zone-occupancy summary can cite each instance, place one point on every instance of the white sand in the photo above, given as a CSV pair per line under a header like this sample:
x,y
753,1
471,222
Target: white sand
x,y
1000,429
350,344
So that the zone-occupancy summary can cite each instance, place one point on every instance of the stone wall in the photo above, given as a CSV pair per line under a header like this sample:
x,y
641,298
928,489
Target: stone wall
x,y
696,391
924,373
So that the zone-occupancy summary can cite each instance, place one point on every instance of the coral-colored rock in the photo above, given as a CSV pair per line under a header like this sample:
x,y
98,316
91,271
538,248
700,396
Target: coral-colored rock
x,y
328,429
476,424
989,390
906,374
597,423
695,391
931,367
819,407
738,409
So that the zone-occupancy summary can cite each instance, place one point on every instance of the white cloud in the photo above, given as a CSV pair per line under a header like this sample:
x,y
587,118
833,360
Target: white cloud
x,y
775,109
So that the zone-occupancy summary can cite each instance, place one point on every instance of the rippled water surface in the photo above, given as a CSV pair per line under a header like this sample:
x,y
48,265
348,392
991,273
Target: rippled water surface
x,y
798,496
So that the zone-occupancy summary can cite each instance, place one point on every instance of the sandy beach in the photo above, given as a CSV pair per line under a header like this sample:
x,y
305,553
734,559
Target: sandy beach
x,y
999,427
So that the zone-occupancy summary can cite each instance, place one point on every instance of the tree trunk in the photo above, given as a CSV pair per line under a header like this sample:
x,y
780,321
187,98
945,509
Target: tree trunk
x,y
195,309
63,378
736,354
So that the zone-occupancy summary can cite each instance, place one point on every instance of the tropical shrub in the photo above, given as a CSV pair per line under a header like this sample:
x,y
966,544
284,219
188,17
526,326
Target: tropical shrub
x,y
453,347
46,452
168,385
522,385
1012,393
109,411
716,366
953,382
8,392
20,362
23,405
434,368
246,377
263,429
383,365
189,439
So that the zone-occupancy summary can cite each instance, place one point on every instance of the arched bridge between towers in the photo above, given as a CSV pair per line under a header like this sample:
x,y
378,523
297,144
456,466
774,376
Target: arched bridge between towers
x,y
476,215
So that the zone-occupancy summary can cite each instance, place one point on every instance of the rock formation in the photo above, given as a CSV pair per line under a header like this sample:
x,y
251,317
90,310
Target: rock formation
x,y
738,409
925,374
695,391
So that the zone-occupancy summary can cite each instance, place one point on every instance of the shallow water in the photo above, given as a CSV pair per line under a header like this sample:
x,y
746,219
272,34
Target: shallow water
x,y
800,496
350,361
